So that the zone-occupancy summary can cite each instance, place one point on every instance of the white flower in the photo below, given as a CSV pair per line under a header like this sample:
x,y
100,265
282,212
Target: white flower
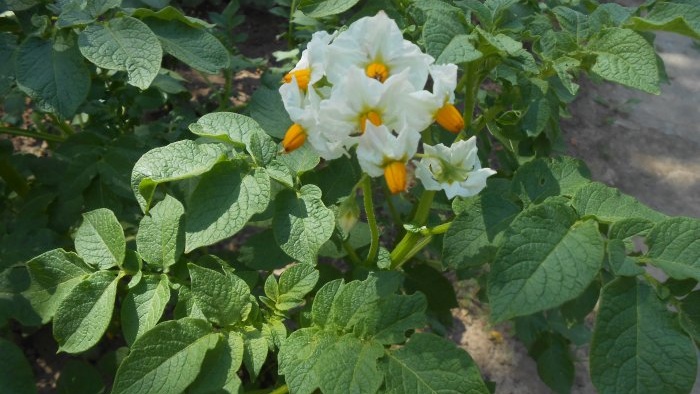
x,y
380,152
375,45
311,67
455,169
441,101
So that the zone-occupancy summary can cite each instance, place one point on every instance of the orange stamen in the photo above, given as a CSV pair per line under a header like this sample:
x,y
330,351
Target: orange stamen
x,y
294,138
377,71
373,117
395,175
303,77
449,117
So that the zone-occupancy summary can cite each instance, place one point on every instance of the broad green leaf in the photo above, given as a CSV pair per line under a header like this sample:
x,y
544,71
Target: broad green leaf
x,y
179,160
542,178
547,258
191,45
21,5
509,49
396,314
323,302
611,14
637,345
54,274
459,50
295,283
255,350
350,366
123,44
166,359
76,12
473,236
430,364
281,173
608,205
100,239
674,246
53,74
223,299
79,376
690,315
302,224
262,148
85,313
299,357
322,8
625,57
267,109
220,367
228,126
574,22
15,372
161,236
675,17
168,13
301,160
439,31
223,202
554,362
625,229
143,306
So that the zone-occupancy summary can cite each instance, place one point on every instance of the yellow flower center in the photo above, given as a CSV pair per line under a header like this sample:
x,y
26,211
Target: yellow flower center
x,y
377,71
395,175
303,76
373,117
294,138
449,117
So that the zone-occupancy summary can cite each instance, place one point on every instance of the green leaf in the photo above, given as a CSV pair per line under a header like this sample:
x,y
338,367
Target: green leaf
x,y
541,178
300,356
259,253
168,13
690,315
459,50
608,205
267,109
123,44
675,17
15,372
625,57
227,126
626,229
85,313
301,160
350,366
574,22
302,224
322,8
161,236
220,367
474,235
100,239
191,45
53,74
255,350
179,160
547,258
637,345
295,283
83,12
337,179
554,362
439,31
395,315
54,274
621,264
166,359
143,306
223,202
323,302
223,299
281,173
78,376
430,364
674,246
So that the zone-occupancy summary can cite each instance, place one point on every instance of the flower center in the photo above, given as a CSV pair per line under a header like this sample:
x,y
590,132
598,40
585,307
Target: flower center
x,y
377,71
373,117
294,138
303,76
395,176
449,117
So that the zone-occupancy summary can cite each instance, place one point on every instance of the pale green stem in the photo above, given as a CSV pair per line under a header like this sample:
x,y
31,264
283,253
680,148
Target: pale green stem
x,y
371,220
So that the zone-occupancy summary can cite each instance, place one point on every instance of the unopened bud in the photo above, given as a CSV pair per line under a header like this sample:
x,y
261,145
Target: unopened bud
x,y
395,175
449,117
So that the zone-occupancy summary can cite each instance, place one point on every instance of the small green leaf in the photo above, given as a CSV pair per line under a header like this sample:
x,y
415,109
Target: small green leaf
x,y
676,17
228,126
15,372
674,246
323,8
267,109
637,345
323,302
220,367
191,45
555,365
608,205
459,50
166,359
143,306
53,74
299,357
302,224
625,57
350,366
83,12
542,178
439,31
78,376
295,283
300,160
547,258
223,202
85,313
168,13
161,237
223,299
621,264
430,364
255,350
54,274
395,315
123,44
179,160
100,239
574,22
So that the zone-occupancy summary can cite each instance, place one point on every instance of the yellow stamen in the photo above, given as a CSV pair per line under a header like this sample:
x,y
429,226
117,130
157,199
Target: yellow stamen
x,y
377,71
395,175
303,76
449,117
294,138
373,117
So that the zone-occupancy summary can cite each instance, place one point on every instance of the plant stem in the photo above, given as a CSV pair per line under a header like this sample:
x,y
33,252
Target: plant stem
x,y
411,243
283,389
32,134
290,30
63,126
352,254
371,220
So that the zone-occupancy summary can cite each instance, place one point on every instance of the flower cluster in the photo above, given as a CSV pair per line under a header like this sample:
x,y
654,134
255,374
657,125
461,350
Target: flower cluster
x,y
364,87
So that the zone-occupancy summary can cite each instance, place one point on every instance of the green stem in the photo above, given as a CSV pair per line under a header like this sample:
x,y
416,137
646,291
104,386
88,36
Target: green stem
x,y
224,101
440,229
63,126
290,31
371,220
471,91
352,254
406,248
283,389
32,134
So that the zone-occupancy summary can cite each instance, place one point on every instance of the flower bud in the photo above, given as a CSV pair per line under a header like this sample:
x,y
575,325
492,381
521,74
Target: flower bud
x,y
294,138
395,175
347,215
449,117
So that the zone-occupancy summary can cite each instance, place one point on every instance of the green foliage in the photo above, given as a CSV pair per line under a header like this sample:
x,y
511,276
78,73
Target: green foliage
x,y
16,374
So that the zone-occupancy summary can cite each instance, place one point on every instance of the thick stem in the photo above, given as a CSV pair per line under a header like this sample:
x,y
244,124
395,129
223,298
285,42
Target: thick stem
x,y
371,220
